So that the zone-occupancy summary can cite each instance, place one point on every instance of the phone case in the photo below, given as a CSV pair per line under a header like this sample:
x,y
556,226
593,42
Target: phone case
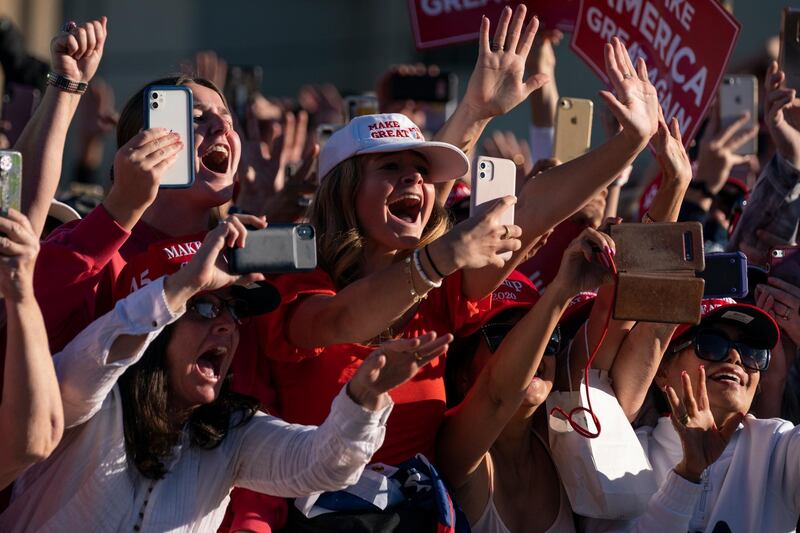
x,y
790,47
739,94
277,249
657,264
651,297
494,178
573,134
725,275
170,106
10,180
659,247
784,263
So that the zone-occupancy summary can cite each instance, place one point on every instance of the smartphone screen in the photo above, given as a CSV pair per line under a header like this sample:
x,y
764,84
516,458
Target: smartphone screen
x,y
10,180
790,47
573,134
441,88
739,95
170,107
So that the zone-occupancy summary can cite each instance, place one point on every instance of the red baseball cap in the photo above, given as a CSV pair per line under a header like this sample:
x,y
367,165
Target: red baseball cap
x,y
516,291
755,321
578,309
168,256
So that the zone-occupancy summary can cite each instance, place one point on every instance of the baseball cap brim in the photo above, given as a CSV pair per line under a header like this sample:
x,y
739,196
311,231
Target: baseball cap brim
x,y
447,162
261,297
756,323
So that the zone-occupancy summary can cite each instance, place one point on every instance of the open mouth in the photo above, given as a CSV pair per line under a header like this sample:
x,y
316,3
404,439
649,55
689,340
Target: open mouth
x,y
726,377
209,364
406,207
216,158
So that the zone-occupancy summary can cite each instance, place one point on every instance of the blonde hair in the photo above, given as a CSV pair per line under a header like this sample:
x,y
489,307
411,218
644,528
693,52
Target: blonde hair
x,y
340,238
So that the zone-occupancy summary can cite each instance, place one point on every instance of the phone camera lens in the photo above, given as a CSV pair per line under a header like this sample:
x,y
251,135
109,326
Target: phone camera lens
x,y
155,105
483,175
154,96
483,165
305,232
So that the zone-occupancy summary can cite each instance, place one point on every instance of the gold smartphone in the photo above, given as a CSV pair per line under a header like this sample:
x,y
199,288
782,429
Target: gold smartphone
x,y
573,134
790,47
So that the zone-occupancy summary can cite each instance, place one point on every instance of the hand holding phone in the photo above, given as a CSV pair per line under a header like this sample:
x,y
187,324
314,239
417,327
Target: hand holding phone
x,y
10,181
170,107
279,248
739,95
494,178
790,47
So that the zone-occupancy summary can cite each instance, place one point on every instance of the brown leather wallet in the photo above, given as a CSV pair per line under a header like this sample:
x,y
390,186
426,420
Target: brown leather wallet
x,y
657,265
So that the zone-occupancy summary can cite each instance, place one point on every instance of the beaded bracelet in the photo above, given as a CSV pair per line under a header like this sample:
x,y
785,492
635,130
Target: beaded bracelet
x,y
65,84
428,281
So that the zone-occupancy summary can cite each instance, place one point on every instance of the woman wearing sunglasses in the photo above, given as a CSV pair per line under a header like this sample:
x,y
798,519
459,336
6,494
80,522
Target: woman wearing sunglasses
x,y
493,446
155,438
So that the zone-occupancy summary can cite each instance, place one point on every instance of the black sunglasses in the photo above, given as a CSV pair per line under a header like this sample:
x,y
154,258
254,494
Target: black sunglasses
x,y
494,333
209,307
713,345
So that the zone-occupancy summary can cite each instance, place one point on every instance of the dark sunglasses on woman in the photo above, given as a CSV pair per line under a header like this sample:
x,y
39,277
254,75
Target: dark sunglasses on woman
x,y
494,334
210,306
713,345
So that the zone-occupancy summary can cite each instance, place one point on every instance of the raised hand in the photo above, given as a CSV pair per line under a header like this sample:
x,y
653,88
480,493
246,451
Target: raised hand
x,y
781,300
585,264
210,66
668,146
718,150
634,102
76,53
782,115
497,84
478,241
391,365
18,250
701,440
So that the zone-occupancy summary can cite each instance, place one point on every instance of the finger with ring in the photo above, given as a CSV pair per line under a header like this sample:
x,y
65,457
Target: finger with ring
x,y
497,47
68,27
506,232
684,419
627,76
417,356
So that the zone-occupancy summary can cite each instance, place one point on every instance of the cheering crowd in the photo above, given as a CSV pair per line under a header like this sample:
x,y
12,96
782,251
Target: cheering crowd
x,y
438,370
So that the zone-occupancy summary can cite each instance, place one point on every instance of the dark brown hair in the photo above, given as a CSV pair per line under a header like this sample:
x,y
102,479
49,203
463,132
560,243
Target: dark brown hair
x,y
131,120
149,434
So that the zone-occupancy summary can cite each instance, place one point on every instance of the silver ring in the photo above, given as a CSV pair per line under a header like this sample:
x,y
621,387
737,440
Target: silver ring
x,y
497,47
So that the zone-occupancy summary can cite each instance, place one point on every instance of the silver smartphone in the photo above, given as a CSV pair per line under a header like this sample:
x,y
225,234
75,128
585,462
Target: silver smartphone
x,y
494,178
737,95
170,107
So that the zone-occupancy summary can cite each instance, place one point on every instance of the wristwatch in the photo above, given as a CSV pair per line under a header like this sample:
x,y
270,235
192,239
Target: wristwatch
x,y
65,84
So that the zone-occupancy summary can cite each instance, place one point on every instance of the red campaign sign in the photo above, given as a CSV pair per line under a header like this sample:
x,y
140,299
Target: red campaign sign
x,y
685,43
442,22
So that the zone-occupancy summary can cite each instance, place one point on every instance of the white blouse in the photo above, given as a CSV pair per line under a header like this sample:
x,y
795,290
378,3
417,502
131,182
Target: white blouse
x,y
89,485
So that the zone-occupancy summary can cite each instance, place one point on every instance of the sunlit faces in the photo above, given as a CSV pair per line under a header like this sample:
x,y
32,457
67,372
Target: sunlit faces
x,y
394,199
199,355
217,148
731,387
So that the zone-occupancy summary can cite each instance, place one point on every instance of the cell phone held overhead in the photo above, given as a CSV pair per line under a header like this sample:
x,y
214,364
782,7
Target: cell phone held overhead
x,y
170,107
10,180
494,178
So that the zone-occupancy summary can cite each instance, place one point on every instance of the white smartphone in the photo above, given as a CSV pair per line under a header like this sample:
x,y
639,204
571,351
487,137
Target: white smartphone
x,y
739,94
494,178
170,107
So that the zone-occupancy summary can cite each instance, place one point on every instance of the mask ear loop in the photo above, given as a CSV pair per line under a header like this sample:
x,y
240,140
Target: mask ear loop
x,y
580,430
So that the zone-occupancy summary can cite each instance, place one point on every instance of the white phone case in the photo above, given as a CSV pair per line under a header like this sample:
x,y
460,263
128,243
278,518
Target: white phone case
x,y
170,107
494,178
738,94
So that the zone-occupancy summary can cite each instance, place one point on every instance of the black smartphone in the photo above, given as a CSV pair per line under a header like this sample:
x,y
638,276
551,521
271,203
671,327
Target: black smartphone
x,y
277,249
441,88
725,275
790,47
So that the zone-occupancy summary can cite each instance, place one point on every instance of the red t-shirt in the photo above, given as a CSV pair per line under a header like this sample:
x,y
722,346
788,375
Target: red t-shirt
x,y
307,381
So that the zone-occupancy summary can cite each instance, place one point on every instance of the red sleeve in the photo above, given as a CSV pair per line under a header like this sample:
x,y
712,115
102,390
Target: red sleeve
x,y
463,312
274,326
70,266
252,511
